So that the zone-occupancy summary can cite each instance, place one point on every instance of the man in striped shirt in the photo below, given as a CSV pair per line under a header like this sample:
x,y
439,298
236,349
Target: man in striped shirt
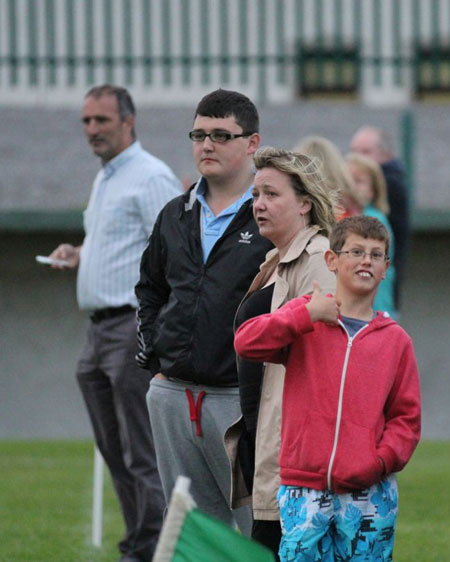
x,y
127,195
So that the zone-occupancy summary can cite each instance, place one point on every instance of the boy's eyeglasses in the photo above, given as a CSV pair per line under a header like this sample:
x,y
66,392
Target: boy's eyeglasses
x,y
358,254
215,136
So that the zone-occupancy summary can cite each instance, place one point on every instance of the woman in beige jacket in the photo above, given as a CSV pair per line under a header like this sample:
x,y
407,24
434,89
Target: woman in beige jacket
x,y
295,211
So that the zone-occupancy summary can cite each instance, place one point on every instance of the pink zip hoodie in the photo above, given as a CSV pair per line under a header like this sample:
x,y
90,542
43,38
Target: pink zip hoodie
x,y
347,401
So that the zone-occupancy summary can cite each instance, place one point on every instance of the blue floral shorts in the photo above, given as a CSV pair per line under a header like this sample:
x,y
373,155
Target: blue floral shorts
x,y
327,527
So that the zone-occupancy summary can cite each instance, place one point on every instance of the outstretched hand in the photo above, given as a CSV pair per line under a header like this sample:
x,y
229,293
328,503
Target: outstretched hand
x,y
322,308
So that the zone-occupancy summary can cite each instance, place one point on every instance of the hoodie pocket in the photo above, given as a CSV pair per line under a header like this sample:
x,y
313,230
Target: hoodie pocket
x,y
307,443
356,465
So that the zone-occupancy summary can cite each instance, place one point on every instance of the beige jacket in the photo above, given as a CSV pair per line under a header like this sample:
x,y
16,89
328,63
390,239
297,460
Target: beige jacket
x,y
302,264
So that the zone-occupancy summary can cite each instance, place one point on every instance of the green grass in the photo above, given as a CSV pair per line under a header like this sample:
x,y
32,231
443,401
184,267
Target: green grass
x,y
46,499
46,502
424,513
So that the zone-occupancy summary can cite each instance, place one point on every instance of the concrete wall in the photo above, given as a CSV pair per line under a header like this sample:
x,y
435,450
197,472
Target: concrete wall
x,y
47,165
42,331
425,316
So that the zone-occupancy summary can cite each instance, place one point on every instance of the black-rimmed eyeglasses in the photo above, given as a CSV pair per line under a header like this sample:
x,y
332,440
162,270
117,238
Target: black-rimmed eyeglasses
x,y
358,254
215,136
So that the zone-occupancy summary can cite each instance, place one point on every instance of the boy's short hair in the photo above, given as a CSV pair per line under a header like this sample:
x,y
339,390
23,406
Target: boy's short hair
x,y
367,227
227,103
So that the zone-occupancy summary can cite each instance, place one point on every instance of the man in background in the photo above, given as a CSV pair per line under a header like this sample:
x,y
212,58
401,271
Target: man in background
x,y
127,195
376,144
203,253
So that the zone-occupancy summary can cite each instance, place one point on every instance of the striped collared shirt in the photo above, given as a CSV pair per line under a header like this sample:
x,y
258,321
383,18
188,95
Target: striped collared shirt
x,y
127,195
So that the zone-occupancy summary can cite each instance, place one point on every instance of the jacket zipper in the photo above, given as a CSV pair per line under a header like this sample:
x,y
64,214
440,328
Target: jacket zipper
x,y
341,398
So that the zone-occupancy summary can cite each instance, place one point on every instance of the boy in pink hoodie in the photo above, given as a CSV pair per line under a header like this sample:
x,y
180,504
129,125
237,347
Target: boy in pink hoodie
x,y
351,405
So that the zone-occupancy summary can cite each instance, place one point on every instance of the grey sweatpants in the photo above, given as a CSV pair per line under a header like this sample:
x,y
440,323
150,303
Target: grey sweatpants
x,y
202,458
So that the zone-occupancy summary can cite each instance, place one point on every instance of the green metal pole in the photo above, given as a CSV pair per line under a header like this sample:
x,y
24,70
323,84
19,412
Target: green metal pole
x,y
108,40
13,44
167,42
376,30
320,42
224,55
243,42
89,43
186,42
280,26
147,40
33,55
339,63
395,30
128,41
262,61
205,43
50,45
70,42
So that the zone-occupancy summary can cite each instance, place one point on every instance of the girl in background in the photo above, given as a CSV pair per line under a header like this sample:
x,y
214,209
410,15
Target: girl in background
x,y
369,184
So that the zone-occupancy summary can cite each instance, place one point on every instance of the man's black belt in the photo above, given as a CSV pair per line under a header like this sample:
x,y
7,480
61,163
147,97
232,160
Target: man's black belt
x,y
105,313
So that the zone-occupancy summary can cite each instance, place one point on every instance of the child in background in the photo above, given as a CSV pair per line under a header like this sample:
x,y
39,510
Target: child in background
x,y
370,187
351,405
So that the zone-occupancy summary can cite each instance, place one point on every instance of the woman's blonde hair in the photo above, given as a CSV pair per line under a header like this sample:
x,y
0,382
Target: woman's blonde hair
x,y
335,171
373,169
306,179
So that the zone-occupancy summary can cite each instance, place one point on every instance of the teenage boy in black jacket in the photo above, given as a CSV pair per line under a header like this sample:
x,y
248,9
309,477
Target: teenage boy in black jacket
x,y
202,256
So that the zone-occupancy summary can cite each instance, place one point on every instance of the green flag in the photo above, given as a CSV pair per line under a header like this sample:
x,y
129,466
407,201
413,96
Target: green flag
x,y
189,535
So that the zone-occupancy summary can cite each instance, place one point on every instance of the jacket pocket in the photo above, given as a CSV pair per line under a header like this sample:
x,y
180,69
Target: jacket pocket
x,y
356,465
307,443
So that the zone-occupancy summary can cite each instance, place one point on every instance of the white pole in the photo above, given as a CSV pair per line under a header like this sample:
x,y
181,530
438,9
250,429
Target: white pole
x,y
97,499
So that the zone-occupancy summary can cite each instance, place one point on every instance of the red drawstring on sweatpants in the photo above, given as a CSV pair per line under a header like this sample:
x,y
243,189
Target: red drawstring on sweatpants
x,y
195,409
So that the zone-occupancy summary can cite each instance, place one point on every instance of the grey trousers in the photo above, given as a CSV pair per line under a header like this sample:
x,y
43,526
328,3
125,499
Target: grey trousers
x,y
114,390
181,450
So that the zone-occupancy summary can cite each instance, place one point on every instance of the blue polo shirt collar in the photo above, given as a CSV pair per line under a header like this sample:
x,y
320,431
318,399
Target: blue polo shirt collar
x,y
231,210
212,227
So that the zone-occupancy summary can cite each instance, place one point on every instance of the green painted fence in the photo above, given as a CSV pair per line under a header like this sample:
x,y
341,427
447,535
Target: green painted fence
x,y
273,47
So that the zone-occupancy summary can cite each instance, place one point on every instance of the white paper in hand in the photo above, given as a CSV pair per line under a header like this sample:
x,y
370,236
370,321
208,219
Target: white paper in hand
x,y
51,261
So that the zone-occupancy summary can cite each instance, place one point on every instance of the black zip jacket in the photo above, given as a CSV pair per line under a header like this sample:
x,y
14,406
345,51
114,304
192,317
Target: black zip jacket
x,y
187,307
